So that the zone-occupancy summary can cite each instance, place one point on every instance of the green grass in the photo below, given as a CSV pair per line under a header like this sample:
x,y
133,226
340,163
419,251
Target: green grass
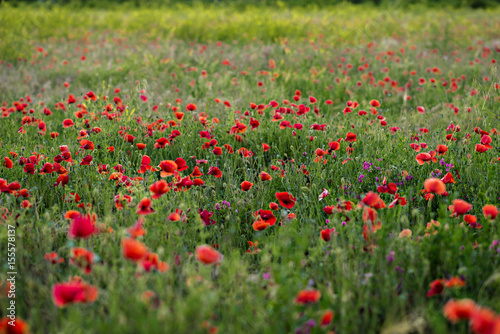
x,y
153,50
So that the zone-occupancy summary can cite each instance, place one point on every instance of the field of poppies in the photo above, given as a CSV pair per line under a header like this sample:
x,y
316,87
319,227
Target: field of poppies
x,y
203,170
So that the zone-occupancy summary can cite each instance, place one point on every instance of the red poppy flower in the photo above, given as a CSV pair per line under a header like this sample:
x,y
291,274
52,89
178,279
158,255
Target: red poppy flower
x,y
334,146
137,230
206,217
448,178
198,182
82,258
81,227
16,326
390,188
484,321
308,297
179,115
442,149
437,288
454,282
215,171
415,146
196,172
327,318
63,179
490,211
53,258
245,185
46,169
159,188
208,255
72,214
8,163
266,216
174,217
434,185
191,107
141,146
29,168
238,128
91,96
168,167
144,207
486,141
265,176
260,225
161,142
133,250
329,210
217,151
286,200
145,165
254,123
67,123
326,234
74,291
86,145
273,206
456,310
129,138
460,207
86,160
373,200
423,158
181,164
481,148
228,148
245,153
351,137
152,261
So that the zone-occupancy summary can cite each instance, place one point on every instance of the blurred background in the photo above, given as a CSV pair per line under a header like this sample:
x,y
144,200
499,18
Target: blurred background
x,y
278,3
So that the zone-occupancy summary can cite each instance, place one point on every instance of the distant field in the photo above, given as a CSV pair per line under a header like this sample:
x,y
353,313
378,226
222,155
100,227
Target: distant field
x,y
267,170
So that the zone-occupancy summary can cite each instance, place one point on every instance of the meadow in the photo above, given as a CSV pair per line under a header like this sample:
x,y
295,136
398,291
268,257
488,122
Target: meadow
x,y
202,169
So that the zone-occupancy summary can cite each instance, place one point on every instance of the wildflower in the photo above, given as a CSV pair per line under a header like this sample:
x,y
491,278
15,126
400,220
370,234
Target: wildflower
x,y
435,185
260,225
133,250
308,297
81,227
286,200
456,310
406,233
82,258
159,188
490,211
208,255
245,185
437,288
327,318
326,234
144,207
74,291
205,216
460,207
16,326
